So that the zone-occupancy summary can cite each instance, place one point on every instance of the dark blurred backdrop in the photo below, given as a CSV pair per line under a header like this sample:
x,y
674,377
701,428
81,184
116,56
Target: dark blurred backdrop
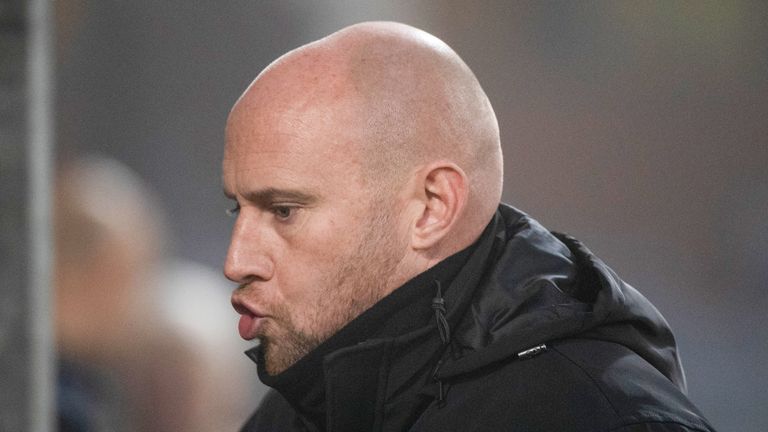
x,y
638,127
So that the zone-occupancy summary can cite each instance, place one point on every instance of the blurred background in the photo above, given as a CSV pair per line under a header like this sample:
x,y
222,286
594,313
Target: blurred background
x,y
638,127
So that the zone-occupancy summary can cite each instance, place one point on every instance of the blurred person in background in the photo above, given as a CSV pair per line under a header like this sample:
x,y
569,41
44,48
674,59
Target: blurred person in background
x,y
142,344
389,288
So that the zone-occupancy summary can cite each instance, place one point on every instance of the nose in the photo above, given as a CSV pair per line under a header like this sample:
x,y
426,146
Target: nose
x,y
248,257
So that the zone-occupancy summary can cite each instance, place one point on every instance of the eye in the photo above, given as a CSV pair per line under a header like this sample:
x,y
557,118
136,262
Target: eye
x,y
283,212
234,211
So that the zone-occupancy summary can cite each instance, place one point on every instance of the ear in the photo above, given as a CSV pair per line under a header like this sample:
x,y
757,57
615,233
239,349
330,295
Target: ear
x,y
443,192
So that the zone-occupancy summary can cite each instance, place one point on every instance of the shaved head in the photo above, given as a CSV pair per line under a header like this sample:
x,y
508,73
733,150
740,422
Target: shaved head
x,y
404,94
357,162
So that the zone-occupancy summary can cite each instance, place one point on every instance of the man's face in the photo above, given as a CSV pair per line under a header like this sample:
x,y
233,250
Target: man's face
x,y
311,248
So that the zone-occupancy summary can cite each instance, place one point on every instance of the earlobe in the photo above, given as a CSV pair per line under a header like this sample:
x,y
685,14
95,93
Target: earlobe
x,y
444,193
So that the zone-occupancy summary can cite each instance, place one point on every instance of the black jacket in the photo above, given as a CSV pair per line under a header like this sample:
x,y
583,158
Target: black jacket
x,y
526,330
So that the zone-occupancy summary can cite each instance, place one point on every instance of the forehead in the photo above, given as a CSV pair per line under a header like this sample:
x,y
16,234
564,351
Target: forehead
x,y
290,143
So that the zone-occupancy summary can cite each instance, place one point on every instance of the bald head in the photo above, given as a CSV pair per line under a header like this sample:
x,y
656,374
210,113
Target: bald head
x,y
403,99
356,162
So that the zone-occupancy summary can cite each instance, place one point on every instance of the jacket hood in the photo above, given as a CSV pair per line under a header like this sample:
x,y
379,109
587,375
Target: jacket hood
x,y
546,286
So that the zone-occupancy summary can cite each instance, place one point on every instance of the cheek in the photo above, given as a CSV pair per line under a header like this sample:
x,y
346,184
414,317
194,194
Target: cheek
x,y
311,260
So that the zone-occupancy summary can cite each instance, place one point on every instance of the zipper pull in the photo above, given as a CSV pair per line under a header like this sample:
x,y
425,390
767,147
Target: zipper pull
x,y
532,352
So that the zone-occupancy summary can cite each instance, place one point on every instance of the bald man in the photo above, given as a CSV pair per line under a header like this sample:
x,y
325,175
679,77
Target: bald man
x,y
388,287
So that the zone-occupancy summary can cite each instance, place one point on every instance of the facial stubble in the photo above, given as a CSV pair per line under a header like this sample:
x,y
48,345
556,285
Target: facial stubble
x,y
360,281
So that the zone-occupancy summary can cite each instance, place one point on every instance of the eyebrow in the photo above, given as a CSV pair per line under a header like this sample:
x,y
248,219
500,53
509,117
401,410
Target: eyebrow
x,y
267,196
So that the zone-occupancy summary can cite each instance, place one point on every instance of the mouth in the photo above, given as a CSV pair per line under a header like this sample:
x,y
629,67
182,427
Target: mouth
x,y
251,320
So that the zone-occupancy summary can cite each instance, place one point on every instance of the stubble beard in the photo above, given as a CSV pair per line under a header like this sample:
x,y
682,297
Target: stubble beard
x,y
360,282
283,345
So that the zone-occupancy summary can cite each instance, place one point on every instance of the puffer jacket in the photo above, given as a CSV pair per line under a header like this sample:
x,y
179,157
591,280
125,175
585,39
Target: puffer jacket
x,y
532,332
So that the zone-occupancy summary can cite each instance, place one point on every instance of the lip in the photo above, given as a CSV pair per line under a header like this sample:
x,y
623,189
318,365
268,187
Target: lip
x,y
249,326
251,318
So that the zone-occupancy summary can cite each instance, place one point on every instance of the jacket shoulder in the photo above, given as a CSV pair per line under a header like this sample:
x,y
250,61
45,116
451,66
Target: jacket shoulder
x,y
574,385
642,398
